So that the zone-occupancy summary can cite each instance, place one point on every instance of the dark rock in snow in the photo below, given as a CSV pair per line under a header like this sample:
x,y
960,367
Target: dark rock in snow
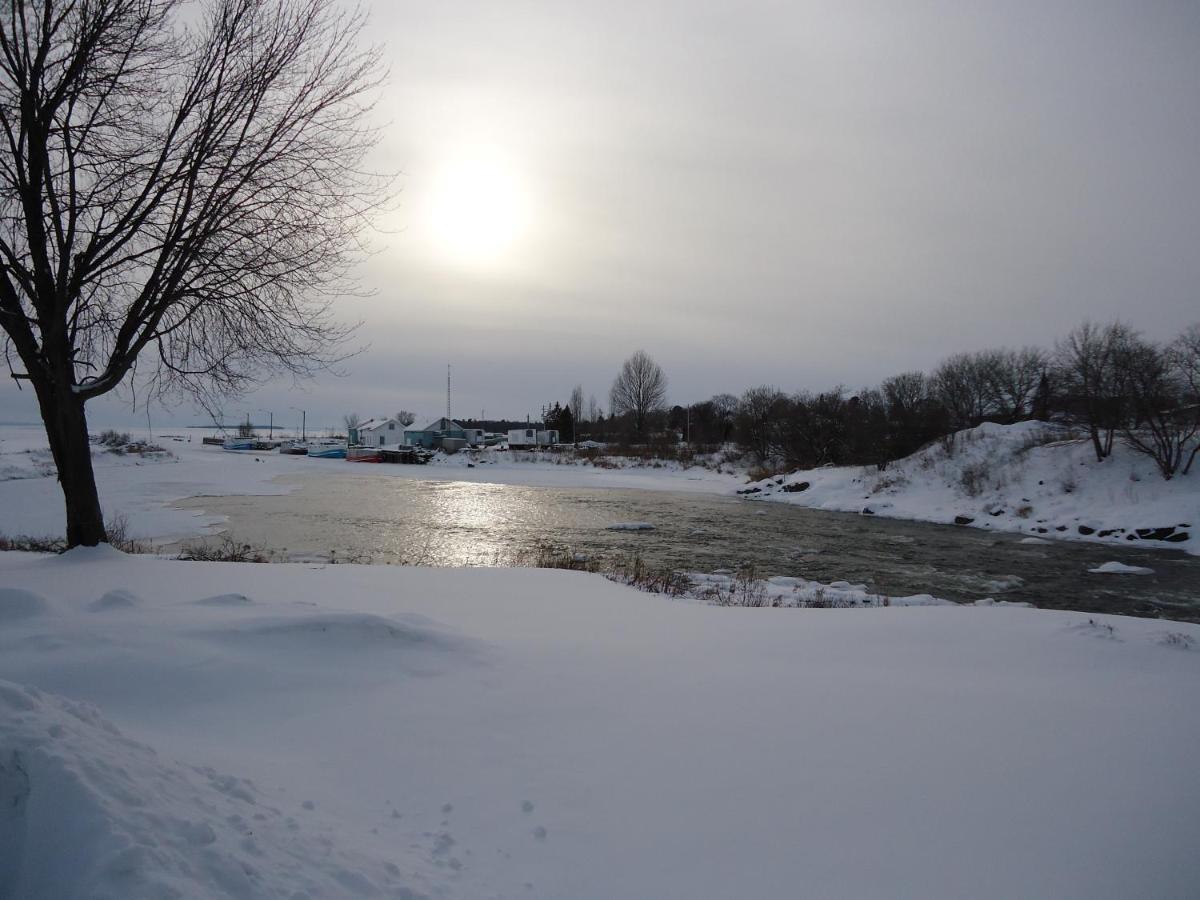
x,y
1060,527
1086,529
796,488
867,511
752,490
1108,532
1177,538
963,520
1155,534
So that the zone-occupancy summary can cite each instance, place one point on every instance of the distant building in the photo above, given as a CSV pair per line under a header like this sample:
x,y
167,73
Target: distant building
x,y
533,436
441,434
377,433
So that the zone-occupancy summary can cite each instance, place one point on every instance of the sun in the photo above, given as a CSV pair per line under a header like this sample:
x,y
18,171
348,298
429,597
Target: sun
x,y
479,210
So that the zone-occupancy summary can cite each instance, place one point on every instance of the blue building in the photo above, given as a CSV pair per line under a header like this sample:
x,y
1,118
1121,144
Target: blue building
x,y
435,435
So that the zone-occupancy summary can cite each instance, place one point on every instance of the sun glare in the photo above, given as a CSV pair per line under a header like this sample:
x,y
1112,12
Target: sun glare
x,y
478,210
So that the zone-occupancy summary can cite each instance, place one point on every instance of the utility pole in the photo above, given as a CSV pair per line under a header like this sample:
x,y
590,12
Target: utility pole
x,y
447,390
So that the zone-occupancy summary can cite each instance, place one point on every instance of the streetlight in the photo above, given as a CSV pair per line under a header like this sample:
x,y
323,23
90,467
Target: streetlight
x,y
271,427
303,422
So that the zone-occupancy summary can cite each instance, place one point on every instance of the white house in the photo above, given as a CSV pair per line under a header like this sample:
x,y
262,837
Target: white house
x,y
382,432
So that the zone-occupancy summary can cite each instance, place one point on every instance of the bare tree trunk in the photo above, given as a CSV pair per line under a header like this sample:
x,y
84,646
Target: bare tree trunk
x,y
66,427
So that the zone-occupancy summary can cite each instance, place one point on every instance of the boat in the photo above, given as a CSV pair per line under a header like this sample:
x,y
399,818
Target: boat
x,y
364,454
238,444
327,451
293,448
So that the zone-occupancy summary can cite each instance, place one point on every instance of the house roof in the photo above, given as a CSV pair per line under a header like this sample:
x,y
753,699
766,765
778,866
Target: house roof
x,y
442,424
371,424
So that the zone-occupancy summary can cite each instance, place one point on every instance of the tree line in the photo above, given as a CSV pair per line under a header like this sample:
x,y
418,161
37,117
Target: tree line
x,y
1106,379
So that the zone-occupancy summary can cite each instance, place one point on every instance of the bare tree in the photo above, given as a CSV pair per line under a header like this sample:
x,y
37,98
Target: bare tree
x,y
963,384
761,416
904,393
351,421
575,404
178,203
1013,379
593,410
1163,423
405,418
1088,362
1184,356
639,389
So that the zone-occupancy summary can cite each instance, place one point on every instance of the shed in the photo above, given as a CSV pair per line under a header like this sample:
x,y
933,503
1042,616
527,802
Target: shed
x,y
435,435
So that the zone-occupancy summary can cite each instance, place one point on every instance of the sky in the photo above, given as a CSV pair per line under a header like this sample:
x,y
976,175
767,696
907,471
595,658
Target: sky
x,y
801,194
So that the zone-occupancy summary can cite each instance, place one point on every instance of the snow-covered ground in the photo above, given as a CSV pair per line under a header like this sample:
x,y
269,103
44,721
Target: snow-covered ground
x,y
221,730
1012,478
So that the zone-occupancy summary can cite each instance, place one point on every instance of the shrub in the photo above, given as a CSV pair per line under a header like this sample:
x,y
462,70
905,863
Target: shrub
x,y
226,550
973,478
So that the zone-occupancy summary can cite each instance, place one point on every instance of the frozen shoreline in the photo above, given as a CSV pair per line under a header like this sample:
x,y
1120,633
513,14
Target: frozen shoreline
x,y
1004,478
142,490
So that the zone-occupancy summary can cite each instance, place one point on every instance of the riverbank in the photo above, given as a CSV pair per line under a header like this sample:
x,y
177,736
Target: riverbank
x,y
352,731
1026,478
1030,478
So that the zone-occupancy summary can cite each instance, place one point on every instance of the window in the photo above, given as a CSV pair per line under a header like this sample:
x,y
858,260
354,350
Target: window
x,y
381,440
391,426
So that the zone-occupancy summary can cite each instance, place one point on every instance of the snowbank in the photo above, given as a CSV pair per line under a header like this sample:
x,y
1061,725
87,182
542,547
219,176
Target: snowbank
x,y
1027,477
209,729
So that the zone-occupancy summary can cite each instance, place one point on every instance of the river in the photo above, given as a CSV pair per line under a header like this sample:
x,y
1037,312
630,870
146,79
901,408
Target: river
x,y
383,518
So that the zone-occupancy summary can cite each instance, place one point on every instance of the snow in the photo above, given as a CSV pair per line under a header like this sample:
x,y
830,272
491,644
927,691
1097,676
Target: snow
x,y
1120,568
214,729
1030,477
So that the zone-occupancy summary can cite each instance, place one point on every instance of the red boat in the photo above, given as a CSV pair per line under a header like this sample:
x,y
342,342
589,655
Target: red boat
x,y
364,454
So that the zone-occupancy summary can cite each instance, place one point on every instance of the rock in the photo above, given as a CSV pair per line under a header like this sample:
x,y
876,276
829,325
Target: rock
x,y
1060,527
1086,529
796,488
1155,534
752,490
867,511
963,520
1109,532
1177,538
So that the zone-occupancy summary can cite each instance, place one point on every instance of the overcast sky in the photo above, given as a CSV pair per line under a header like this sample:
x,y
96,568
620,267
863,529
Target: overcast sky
x,y
800,194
